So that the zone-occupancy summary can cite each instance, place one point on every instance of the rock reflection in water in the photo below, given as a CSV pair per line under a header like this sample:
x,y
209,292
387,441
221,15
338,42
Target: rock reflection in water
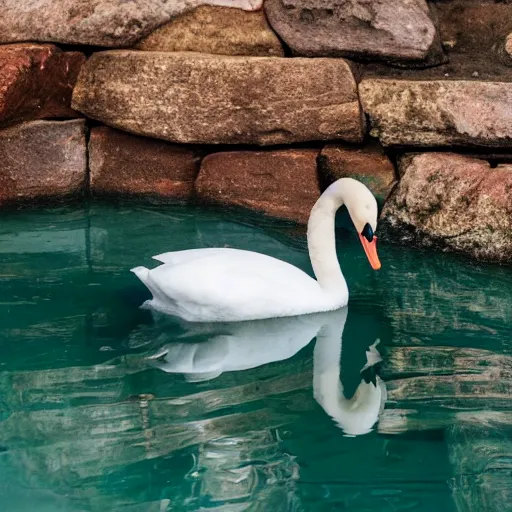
x,y
465,394
482,462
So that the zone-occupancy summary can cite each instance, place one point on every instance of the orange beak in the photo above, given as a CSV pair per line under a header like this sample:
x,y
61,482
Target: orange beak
x,y
370,248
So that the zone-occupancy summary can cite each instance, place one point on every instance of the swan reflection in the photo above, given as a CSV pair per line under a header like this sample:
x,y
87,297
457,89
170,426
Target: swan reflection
x,y
237,346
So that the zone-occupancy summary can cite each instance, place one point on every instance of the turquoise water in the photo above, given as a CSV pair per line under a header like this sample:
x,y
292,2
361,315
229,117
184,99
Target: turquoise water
x,y
104,406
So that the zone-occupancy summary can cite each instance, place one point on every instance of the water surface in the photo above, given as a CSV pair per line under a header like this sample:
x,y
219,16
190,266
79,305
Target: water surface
x,y
104,406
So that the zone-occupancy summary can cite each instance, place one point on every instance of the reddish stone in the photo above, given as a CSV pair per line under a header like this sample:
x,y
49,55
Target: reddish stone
x,y
121,163
36,82
42,159
218,30
438,112
368,164
376,29
199,98
455,202
281,183
111,23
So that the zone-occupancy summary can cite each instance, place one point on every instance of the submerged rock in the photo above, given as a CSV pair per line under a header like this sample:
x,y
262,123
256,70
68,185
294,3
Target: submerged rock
x,y
41,159
111,23
481,458
121,163
282,183
454,202
439,112
401,30
368,164
219,30
202,98
36,82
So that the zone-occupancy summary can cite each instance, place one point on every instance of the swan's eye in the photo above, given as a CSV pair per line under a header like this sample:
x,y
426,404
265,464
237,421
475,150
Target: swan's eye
x,y
368,233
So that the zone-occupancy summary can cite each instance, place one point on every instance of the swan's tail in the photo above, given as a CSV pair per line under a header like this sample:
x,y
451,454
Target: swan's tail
x,y
143,274
160,302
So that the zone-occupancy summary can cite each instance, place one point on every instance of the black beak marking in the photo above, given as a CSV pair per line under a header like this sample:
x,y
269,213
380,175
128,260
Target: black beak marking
x,y
368,233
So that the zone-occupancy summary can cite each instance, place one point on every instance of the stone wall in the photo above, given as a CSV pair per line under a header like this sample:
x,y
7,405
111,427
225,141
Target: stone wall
x,y
262,104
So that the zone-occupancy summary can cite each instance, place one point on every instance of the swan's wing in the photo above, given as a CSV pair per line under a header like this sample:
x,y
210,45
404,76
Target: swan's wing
x,y
231,284
178,257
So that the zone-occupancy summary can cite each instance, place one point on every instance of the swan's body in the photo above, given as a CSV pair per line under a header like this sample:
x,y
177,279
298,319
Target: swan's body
x,y
211,285
208,285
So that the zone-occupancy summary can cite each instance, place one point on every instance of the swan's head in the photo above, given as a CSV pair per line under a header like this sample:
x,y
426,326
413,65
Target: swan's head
x,y
363,210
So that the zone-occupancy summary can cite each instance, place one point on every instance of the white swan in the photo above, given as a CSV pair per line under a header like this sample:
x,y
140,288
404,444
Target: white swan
x,y
211,285
243,345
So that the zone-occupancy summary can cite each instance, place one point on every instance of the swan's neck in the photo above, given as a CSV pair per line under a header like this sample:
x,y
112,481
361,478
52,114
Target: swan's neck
x,y
322,241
